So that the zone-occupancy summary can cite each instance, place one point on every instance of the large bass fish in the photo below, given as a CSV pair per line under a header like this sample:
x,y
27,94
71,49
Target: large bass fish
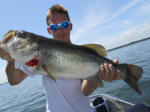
x,y
58,59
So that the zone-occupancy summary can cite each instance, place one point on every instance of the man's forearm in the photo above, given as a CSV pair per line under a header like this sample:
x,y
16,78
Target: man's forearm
x,y
10,68
15,76
88,87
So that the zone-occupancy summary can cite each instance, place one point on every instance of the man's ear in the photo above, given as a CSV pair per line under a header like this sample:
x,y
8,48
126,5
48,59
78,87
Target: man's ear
x,y
71,25
49,31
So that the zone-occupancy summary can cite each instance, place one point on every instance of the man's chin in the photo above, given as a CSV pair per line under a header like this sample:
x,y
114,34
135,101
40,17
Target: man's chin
x,y
62,38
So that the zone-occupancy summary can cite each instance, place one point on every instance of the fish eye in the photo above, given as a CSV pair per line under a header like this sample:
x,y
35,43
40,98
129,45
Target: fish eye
x,y
21,34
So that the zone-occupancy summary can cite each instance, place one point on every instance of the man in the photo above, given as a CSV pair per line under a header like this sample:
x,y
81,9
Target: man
x,y
63,95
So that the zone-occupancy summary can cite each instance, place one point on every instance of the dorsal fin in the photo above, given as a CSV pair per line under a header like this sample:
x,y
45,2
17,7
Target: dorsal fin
x,y
96,47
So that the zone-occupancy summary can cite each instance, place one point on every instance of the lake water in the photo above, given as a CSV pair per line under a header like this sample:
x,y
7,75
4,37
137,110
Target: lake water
x,y
29,96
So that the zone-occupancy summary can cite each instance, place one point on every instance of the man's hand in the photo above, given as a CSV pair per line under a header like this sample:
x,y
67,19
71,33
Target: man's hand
x,y
5,55
109,73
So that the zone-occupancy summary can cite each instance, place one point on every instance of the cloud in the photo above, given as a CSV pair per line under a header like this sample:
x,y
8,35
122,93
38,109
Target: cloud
x,y
145,8
123,9
126,22
97,19
90,21
134,33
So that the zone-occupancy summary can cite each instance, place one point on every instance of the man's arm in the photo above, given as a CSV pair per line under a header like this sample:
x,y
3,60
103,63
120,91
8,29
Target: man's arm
x,y
108,73
15,76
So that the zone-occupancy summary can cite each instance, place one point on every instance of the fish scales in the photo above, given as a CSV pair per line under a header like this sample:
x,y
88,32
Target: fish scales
x,y
58,59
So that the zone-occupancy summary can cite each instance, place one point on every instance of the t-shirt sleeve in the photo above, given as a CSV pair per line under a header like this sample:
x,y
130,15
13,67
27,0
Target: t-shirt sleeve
x,y
24,69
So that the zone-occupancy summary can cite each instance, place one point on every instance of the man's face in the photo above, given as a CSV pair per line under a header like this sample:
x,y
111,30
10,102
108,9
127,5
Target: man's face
x,y
60,34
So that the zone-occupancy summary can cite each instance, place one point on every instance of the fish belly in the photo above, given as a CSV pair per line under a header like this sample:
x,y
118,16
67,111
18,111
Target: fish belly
x,y
71,66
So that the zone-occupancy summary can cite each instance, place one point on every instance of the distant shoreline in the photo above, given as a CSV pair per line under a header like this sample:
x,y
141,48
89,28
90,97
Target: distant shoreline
x,y
129,44
3,83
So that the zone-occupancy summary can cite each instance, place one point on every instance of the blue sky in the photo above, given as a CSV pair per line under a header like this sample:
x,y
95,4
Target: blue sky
x,y
107,22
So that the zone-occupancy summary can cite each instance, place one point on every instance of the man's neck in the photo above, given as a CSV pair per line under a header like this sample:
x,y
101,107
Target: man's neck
x,y
68,41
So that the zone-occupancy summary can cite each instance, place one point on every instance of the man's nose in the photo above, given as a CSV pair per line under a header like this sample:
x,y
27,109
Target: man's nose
x,y
60,29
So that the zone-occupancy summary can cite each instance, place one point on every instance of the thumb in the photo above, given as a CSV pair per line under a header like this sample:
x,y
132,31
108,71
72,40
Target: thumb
x,y
116,61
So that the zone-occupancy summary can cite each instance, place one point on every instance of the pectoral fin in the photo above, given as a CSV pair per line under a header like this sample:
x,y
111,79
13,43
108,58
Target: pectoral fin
x,y
50,76
48,73
98,48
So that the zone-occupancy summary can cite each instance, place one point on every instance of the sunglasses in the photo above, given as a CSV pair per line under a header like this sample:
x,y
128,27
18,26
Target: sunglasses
x,y
63,25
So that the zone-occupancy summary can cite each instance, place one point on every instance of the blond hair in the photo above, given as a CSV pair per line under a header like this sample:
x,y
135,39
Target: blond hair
x,y
56,9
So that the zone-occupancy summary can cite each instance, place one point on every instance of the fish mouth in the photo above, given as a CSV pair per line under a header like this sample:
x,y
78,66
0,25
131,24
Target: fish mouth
x,y
7,37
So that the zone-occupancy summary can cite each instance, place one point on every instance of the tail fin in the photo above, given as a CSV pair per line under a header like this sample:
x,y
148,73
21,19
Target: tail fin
x,y
132,75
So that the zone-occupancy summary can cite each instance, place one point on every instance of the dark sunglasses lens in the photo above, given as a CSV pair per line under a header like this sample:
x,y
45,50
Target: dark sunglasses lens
x,y
54,27
64,25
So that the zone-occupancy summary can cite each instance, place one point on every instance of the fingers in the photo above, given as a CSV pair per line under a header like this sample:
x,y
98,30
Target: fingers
x,y
116,61
102,71
109,73
107,69
105,72
113,72
4,55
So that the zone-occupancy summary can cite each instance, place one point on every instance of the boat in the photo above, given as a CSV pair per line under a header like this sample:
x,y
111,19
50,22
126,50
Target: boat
x,y
107,103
